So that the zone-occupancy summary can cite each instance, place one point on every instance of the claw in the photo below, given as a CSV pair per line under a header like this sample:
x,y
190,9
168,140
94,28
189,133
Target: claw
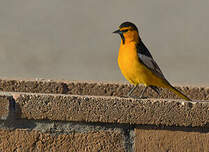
x,y
156,89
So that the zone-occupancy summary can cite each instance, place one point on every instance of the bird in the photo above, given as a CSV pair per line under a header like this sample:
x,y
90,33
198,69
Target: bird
x,y
137,64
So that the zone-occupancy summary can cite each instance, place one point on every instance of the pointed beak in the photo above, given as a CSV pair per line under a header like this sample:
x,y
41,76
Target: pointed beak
x,y
117,31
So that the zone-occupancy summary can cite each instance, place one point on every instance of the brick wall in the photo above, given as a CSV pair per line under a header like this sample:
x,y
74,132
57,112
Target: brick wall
x,y
46,115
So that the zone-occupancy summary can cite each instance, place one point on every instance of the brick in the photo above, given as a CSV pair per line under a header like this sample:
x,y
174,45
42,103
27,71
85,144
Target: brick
x,y
112,110
25,140
6,106
95,88
35,86
170,140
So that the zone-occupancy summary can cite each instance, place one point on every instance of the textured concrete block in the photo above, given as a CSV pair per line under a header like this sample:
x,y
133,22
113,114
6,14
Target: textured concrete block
x,y
7,107
147,140
35,86
4,107
112,110
96,88
25,141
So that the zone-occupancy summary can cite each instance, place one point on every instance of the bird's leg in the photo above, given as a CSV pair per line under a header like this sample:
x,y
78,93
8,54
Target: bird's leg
x,y
142,94
131,91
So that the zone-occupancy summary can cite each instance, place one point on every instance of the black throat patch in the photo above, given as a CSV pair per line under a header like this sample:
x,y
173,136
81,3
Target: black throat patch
x,y
122,37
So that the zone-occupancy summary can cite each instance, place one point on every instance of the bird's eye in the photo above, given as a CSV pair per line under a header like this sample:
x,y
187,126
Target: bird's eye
x,y
123,31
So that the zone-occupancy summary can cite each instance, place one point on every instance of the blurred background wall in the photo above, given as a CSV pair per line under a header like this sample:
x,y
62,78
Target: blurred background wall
x,y
73,40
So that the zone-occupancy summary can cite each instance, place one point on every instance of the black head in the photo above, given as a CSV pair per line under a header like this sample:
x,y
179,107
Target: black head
x,y
128,24
127,30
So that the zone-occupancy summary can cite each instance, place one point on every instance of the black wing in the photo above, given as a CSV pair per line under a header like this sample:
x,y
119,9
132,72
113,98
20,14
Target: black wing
x,y
142,49
146,58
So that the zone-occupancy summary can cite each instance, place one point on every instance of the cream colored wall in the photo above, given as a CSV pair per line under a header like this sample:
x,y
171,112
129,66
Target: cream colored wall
x,y
73,40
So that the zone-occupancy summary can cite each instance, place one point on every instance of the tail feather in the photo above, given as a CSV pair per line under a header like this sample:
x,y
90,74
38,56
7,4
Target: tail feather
x,y
177,92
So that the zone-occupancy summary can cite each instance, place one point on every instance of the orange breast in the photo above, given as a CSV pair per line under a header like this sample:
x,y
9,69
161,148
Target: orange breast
x,y
132,69
129,63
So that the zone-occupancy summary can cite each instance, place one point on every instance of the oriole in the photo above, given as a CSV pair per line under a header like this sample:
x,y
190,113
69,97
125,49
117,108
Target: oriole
x,y
137,64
